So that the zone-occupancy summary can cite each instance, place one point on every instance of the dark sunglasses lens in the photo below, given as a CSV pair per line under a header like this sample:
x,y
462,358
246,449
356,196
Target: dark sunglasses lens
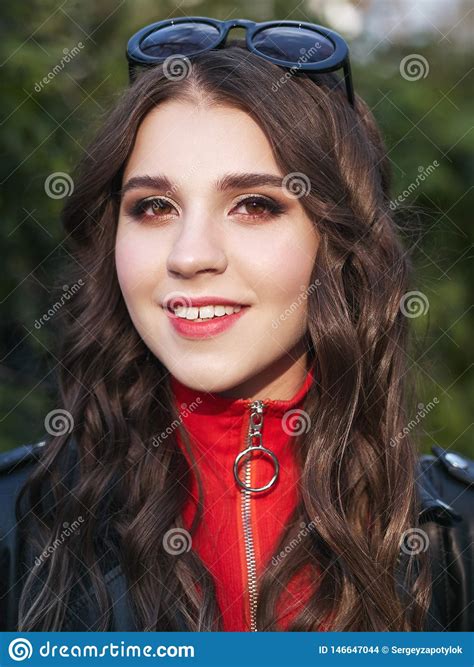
x,y
293,44
182,38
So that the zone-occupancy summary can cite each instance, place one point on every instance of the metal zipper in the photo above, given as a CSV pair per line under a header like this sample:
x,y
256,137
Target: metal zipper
x,y
255,425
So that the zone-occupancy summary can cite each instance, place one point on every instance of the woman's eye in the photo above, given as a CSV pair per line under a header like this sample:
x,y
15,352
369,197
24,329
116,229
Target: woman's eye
x,y
257,207
152,207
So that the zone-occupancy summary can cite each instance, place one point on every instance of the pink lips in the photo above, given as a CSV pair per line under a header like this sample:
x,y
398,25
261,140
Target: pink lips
x,y
206,329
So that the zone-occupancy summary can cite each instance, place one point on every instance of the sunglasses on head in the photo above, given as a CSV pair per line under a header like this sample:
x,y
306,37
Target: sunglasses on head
x,y
294,45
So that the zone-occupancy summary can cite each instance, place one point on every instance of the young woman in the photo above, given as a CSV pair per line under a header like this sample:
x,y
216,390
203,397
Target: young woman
x,y
233,366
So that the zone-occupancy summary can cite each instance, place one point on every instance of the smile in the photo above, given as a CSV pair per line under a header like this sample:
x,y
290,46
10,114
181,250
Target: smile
x,y
204,328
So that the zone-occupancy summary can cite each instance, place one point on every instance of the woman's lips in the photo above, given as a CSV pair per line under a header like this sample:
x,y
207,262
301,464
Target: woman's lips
x,y
205,329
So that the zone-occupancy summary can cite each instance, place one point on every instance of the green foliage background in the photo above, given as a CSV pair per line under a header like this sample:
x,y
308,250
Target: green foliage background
x,y
45,131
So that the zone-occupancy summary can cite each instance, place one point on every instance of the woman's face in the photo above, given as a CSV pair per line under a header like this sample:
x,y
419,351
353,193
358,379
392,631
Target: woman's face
x,y
191,238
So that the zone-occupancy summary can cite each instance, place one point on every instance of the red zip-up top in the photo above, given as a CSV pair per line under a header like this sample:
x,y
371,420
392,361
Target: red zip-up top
x,y
218,429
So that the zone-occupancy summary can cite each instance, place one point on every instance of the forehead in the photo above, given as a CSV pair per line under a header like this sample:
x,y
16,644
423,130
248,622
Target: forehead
x,y
179,138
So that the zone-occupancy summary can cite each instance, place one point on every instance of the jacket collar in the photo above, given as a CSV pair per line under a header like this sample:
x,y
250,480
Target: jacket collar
x,y
217,425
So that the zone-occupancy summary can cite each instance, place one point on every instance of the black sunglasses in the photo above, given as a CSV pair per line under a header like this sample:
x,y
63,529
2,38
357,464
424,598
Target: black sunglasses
x,y
304,47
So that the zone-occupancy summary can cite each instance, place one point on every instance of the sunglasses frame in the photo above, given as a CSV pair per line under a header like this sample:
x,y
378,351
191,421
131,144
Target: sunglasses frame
x,y
339,59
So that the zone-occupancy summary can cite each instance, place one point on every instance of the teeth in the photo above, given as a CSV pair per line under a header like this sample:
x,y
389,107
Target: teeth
x,y
205,312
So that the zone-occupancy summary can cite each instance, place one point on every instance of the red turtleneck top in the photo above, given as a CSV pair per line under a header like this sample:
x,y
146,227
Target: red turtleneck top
x,y
218,429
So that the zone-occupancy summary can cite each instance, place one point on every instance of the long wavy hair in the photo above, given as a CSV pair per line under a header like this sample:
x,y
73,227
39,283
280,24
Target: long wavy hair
x,y
357,487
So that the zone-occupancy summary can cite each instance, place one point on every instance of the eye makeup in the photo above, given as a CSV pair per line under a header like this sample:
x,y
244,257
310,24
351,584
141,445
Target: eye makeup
x,y
152,207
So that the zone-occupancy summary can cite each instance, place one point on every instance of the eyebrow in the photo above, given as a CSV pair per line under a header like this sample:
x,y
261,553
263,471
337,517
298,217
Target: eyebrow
x,y
227,182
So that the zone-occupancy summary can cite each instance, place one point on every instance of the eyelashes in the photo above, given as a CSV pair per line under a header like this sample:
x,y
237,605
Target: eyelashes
x,y
149,207
154,207
273,208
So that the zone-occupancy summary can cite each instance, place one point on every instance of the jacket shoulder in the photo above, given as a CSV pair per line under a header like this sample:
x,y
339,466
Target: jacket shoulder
x,y
446,483
15,467
18,456
446,478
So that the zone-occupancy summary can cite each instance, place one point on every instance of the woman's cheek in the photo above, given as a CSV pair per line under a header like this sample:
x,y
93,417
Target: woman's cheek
x,y
136,263
287,264
293,276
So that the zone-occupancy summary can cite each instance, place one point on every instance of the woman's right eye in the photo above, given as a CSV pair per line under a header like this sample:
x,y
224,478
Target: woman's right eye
x,y
151,207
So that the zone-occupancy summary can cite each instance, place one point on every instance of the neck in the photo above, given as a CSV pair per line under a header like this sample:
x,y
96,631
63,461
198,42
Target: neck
x,y
279,381
229,415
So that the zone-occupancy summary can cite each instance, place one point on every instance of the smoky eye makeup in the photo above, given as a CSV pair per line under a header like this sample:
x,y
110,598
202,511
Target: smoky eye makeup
x,y
255,206
149,207
273,207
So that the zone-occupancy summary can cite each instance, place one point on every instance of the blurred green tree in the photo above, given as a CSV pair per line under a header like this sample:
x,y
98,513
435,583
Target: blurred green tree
x,y
64,64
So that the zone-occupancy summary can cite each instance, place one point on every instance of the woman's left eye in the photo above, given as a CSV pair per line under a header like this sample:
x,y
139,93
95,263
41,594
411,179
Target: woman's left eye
x,y
261,207
152,207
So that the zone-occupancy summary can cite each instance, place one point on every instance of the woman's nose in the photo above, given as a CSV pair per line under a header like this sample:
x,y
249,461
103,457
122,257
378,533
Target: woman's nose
x,y
198,248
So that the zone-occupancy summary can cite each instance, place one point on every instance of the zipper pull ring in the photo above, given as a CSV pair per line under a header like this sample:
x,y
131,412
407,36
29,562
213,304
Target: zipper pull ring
x,y
255,431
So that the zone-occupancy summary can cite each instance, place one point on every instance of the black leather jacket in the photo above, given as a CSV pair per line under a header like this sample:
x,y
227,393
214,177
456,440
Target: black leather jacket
x,y
446,513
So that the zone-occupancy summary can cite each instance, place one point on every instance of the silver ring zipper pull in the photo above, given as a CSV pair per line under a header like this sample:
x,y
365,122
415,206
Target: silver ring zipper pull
x,y
255,431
